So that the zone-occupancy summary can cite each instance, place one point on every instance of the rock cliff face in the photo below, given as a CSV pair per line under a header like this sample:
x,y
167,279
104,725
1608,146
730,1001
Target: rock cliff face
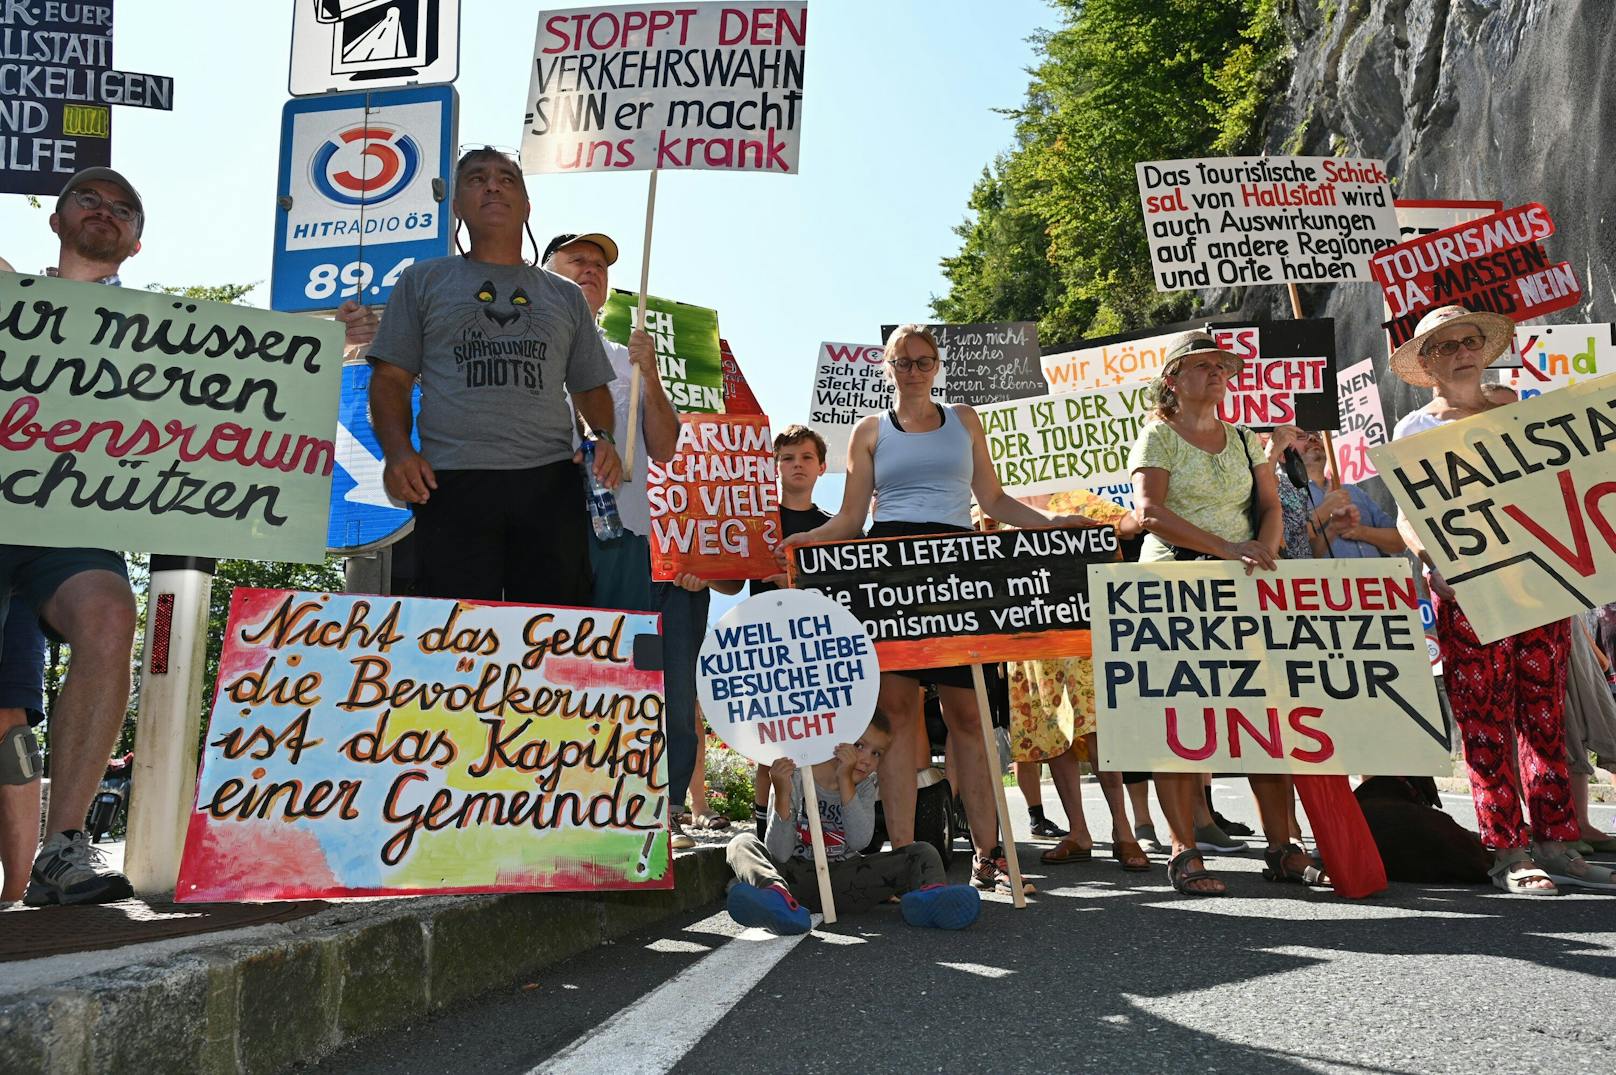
x,y
1506,99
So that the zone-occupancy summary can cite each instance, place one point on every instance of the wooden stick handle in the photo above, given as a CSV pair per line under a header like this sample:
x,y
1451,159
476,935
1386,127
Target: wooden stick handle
x,y
631,434
1017,894
827,902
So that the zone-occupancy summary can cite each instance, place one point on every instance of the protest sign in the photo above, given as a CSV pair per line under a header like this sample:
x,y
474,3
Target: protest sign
x,y
1053,444
708,85
1363,422
1316,667
140,421
57,89
987,363
1553,356
715,508
1264,220
1513,506
849,384
1417,216
687,351
1496,264
787,674
738,397
1285,360
967,598
364,746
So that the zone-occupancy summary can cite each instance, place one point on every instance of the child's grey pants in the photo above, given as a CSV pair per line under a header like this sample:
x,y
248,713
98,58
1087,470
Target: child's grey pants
x,y
857,882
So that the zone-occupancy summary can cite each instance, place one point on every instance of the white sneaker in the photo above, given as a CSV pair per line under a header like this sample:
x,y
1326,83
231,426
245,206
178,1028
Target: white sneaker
x,y
69,869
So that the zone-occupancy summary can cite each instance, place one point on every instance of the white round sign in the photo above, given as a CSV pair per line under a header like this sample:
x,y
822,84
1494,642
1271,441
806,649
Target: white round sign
x,y
787,674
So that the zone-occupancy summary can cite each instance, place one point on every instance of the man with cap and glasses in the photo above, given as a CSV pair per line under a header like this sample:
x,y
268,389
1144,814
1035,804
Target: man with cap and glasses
x,y
499,345
82,597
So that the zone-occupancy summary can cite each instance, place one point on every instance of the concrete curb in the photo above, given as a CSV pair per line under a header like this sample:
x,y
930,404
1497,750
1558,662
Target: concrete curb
x,y
244,1003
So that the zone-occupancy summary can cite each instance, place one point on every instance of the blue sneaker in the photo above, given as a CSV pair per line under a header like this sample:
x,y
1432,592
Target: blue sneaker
x,y
942,906
771,908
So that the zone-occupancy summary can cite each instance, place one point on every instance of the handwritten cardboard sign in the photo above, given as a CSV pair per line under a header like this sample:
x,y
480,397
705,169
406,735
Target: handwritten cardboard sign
x,y
1363,422
1053,444
689,359
141,421
787,674
708,85
849,384
365,746
715,508
1496,264
988,362
1516,506
1264,220
965,598
1318,667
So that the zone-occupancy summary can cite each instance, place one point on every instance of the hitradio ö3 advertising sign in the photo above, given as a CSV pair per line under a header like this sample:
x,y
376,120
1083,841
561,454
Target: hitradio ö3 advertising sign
x,y
362,194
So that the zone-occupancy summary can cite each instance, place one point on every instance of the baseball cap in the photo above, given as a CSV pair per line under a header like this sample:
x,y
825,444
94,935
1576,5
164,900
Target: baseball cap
x,y
567,238
104,175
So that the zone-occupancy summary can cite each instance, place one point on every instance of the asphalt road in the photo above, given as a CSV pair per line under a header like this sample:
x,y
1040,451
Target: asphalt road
x,y
1104,971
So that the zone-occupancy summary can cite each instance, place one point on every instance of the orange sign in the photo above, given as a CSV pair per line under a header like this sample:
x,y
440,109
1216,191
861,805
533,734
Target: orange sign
x,y
714,505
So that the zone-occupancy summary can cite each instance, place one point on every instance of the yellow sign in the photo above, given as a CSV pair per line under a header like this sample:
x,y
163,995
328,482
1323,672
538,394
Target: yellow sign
x,y
1318,667
1515,506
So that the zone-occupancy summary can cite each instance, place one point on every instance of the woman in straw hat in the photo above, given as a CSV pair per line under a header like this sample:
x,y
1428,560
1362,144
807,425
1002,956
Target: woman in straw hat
x,y
1205,491
1508,696
921,462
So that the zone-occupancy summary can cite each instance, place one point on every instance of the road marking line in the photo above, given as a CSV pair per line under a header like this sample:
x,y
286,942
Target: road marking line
x,y
654,1033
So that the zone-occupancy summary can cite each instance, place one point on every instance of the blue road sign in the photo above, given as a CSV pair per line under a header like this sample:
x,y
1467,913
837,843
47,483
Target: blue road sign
x,y
362,193
363,517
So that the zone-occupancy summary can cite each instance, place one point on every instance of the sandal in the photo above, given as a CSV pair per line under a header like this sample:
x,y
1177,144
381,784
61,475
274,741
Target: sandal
x,y
1561,867
710,822
1507,878
1182,877
1067,851
1277,870
991,872
1130,855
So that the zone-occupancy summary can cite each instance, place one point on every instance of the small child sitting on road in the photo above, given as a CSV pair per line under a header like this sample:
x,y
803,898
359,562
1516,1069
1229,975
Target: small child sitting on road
x,y
773,883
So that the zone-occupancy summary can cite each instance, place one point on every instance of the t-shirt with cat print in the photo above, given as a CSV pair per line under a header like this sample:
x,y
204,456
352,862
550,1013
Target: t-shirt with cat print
x,y
497,347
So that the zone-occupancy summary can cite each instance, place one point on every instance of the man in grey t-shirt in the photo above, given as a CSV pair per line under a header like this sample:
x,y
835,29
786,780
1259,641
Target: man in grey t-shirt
x,y
497,345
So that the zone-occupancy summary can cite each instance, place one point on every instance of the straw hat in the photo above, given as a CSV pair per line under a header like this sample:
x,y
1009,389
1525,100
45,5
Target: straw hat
x,y
1197,341
1498,329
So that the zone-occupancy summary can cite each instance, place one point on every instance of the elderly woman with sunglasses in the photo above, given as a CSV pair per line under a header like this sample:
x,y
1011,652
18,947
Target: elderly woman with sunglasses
x,y
1508,696
921,462
1205,491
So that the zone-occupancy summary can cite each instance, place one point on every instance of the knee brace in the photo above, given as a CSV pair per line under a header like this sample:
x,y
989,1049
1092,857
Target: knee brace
x,y
20,759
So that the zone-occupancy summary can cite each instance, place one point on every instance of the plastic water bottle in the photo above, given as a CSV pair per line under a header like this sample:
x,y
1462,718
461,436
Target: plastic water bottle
x,y
602,503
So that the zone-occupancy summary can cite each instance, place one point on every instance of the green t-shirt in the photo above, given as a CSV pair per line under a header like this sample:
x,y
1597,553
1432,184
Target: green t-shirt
x,y
1211,491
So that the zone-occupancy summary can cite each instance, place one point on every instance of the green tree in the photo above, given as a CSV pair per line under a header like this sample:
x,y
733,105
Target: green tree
x,y
1056,234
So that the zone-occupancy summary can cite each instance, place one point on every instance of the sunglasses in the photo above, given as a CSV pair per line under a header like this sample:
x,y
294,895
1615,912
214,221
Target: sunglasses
x,y
91,200
924,365
1449,348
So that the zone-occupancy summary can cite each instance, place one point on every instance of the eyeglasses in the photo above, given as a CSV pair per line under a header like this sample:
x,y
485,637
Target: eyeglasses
x,y
924,365
1449,348
91,200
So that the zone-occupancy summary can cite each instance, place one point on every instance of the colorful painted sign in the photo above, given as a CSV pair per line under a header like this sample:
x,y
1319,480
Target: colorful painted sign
x,y
787,674
1317,667
1554,356
988,363
966,598
1235,221
1363,422
371,746
706,85
1053,444
1290,365
715,507
57,89
738,397
1514,506
361,195
689,359
850,383
135,420
1494,264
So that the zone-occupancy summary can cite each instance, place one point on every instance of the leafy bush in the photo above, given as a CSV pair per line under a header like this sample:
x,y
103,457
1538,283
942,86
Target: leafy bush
x,y
729,781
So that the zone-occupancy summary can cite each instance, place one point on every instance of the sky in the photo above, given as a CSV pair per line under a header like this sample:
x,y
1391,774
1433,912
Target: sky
x,y
898,123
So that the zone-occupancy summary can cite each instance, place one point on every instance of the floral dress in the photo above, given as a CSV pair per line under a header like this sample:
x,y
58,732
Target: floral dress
x,y
1297,508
